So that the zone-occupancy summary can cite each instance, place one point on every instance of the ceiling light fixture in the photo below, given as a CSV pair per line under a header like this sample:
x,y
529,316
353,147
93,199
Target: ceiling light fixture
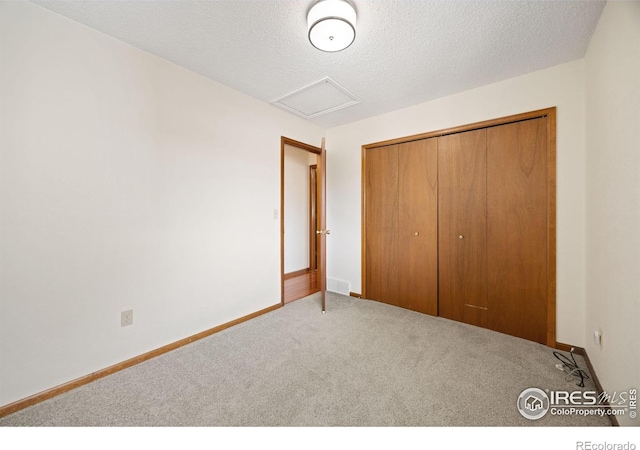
x,y
332,25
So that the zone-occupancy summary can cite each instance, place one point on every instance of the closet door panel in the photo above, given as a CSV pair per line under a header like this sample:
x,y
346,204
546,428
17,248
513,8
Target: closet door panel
x,y
517,228
462,252
418,228
381,210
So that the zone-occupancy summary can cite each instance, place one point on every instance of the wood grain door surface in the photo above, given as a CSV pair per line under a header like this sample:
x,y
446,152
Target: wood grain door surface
x,y
382,240
418,226
462,222
321,203
517,243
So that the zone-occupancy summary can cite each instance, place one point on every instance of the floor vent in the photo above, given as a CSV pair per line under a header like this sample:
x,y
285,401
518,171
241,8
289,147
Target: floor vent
x,y
340,286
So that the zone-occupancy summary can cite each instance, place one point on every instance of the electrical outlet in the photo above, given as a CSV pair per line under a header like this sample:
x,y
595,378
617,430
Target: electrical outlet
x,y
126,318
597,337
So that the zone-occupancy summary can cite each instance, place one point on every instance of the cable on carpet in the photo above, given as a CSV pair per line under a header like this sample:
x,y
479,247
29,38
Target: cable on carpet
x,y
570,366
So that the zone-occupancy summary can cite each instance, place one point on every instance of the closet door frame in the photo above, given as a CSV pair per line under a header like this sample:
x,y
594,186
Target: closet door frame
x,y
550,113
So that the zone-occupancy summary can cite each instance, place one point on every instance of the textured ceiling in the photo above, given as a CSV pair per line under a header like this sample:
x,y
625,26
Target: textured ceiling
x,y
406,51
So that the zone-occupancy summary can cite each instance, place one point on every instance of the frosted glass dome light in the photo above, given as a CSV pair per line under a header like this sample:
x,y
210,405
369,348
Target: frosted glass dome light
x,y
332,25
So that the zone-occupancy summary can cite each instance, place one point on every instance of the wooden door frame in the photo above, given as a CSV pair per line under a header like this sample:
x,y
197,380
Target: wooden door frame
x,y
313,217
550,113
301,146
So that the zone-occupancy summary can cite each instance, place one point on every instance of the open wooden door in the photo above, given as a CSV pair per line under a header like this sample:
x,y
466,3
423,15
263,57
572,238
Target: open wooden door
x,y
322,223
296,285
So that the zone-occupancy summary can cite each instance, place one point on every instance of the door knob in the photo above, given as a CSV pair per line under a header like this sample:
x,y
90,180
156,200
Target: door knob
x,y
461,237
416,233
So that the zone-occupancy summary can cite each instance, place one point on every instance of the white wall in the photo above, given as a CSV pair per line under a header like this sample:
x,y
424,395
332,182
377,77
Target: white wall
x,y
613,198
296,209
561,86
126,182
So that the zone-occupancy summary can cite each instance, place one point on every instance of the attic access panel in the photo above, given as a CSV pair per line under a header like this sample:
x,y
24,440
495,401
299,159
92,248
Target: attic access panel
x,y
322,97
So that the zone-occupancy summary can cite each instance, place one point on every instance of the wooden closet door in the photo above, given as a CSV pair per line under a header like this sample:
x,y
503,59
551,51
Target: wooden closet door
x,y
517,233
462,225
418,227
381,212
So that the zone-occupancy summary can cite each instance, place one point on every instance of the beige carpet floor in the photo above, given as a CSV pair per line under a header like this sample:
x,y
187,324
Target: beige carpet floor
x,y
363,363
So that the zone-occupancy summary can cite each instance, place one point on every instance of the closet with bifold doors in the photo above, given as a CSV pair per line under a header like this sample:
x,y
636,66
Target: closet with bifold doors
x,y
460,223
402,237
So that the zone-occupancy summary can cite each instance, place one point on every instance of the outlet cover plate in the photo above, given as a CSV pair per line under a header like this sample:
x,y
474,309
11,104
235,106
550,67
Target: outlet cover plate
x,y
126,318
